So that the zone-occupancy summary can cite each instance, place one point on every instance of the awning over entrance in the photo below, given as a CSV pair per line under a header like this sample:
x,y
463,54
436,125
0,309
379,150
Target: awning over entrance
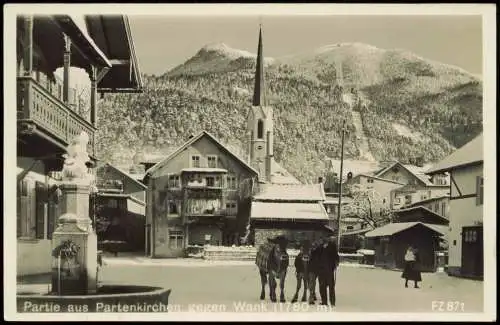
x,y
288,211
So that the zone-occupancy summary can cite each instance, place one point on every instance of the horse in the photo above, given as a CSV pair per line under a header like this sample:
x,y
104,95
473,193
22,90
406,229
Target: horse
x,y
272,261
302,271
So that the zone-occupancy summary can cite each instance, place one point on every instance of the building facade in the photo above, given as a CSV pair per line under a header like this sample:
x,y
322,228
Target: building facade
x,y
439,205
49,116
195,197
391,241
119,210
466,246
292,210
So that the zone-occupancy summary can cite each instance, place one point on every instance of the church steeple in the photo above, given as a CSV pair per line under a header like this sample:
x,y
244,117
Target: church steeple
x,y
259,91
260,123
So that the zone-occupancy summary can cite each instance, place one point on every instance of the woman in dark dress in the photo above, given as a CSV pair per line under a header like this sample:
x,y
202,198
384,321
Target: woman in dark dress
x,y
411,270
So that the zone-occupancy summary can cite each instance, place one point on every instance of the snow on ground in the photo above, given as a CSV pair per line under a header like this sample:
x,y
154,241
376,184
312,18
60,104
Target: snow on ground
x,y
406,132
241,91
232,53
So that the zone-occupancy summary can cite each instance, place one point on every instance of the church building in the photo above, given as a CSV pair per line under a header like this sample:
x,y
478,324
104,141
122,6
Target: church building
x,y
281,205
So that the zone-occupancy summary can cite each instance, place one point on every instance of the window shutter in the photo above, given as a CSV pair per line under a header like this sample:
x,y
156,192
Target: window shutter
x,y
51,218
23,230
478,190
29,227
40,195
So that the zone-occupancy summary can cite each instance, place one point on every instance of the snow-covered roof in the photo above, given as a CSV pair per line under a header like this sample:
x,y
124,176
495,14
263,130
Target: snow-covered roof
x,y
288,210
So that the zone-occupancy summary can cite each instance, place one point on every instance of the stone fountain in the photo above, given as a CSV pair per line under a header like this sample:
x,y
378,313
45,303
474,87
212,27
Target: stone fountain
x,y
75,267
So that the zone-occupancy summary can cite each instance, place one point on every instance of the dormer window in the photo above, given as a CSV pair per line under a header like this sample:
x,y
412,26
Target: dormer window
x,y
260,129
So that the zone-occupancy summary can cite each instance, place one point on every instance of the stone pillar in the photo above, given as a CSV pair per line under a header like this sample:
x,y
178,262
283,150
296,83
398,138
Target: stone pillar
x,y
75,225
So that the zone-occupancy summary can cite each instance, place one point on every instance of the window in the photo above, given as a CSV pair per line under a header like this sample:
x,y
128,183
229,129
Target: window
x,y
195,161
479,190
470,236
175,239
408,199
212,161
174,181
443,209
210,181
436,207
172,207
260,129
231,182
112,203
232,207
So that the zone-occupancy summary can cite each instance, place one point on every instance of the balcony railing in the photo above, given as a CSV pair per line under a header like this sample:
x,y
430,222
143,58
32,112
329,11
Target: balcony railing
x,y
114,186
38,105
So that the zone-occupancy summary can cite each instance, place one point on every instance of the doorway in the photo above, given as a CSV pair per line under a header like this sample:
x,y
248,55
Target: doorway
x,y
472,251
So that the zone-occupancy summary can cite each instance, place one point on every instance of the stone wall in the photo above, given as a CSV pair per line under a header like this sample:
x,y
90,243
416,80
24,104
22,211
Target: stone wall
x,y
248,253
294,236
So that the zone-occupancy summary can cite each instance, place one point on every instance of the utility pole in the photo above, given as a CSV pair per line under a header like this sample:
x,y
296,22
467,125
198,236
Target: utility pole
x,y
340,184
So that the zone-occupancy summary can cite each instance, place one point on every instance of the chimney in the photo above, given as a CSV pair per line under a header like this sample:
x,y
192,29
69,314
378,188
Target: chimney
x,y
419,161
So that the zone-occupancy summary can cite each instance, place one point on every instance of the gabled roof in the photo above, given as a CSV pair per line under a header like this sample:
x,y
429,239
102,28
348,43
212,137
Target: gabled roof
x,y
417,172
424,209
356,232
191,141
427,201
469,154
123,173
280,175
288,211
394,228
354,166
290,192
379,178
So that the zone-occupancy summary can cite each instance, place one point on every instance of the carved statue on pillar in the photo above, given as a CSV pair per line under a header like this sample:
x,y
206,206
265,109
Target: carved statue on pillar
x,y
75,169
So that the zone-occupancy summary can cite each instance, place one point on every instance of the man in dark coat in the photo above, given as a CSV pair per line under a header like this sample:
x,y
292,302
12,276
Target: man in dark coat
x,y
329,260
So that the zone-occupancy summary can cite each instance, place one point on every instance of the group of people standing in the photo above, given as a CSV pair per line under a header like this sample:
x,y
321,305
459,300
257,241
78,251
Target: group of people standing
x,y
318,261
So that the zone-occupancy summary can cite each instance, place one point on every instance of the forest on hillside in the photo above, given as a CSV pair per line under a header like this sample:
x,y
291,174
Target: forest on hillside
x,y
308,112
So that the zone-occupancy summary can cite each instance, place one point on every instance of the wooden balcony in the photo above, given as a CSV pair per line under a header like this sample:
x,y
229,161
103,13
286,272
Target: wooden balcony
x,y
51,117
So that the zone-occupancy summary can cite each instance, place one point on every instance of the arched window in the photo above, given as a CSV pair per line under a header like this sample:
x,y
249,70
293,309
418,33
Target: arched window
x,y
260,129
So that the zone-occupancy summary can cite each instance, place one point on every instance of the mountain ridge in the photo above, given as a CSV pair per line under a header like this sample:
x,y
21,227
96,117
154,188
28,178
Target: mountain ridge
x,y
398,96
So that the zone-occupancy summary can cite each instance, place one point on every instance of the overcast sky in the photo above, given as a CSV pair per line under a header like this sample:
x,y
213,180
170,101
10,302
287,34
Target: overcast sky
x,y
163,42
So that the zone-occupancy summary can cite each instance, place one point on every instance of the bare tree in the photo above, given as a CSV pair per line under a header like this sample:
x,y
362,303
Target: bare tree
x,y
367,205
